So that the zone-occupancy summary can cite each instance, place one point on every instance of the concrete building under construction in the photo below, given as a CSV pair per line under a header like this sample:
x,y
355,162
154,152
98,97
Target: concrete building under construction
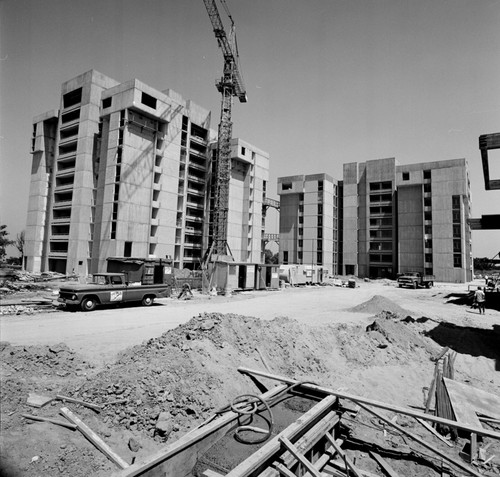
x,y
122,169
309,220
387,219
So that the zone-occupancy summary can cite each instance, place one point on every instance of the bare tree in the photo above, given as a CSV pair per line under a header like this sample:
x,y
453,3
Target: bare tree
x,y
20,244
4,241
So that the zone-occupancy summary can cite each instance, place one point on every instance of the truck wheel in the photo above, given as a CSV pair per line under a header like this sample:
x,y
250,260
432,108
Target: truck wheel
x,y
148,300
400,285
414,285
429,284
88,303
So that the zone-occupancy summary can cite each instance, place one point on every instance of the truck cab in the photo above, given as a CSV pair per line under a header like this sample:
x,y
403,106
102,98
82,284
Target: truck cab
x,y
415,280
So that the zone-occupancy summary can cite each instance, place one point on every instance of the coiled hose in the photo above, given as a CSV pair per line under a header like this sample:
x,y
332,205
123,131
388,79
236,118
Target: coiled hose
x,y
239,403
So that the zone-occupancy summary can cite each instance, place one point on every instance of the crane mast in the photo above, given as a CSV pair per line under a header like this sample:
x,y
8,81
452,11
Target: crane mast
x,y
231,84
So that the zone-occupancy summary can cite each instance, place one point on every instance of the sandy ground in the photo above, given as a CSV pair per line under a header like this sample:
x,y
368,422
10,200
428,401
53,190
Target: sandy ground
x,y
101,334
163,359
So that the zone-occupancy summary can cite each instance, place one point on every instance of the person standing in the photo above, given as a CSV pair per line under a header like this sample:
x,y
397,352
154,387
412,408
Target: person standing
x,y
480,298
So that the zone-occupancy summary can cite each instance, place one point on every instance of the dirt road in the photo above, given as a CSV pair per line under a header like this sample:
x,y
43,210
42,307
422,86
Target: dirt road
x,y
101,334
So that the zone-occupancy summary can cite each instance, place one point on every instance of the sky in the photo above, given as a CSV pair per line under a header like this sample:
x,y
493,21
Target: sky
x,y
328,81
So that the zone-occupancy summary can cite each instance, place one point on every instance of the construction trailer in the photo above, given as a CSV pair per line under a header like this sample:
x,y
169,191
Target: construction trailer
x,y
228,276
148,271
302,274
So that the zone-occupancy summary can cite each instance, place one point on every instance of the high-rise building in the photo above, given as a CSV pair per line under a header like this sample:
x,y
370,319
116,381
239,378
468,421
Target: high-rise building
x,y
400,218
309,221
122,169
382,219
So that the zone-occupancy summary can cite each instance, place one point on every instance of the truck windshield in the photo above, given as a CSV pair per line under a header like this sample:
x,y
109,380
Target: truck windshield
x,y
99,280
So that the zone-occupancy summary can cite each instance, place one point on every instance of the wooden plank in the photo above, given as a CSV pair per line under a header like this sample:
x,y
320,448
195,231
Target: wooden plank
x,y
473,447
94,438
48,419
283,470
481,401
273,446
436,433
300,457
342,454
211,473
307,441
489,420
189,439
441,354
95,407
422,442
373,402
384,465
432,388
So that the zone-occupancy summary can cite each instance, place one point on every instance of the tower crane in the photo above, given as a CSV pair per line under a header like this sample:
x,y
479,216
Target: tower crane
x,y
230,84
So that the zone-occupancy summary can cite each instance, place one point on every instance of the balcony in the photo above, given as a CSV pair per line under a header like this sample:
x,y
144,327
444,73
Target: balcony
x,y
66,203
61,220
198,167
58,254
196,192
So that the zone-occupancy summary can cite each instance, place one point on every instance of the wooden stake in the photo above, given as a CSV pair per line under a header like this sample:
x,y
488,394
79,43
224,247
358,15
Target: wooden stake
x,y
95,407
94,438
48,419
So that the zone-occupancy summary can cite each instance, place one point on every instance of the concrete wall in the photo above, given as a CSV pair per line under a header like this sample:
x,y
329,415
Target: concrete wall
x,y
411,228
422,224
313,216
350,218
43,150
143,197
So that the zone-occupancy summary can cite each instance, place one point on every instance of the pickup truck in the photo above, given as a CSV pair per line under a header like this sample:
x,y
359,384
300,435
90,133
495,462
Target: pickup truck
x,y
109,288
415,279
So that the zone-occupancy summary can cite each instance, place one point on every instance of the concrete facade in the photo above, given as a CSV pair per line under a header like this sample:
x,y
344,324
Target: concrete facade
x,y
309,221
400,218
122,170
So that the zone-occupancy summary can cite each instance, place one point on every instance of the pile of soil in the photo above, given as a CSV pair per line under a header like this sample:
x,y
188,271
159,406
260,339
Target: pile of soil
x,y
158,390
378,304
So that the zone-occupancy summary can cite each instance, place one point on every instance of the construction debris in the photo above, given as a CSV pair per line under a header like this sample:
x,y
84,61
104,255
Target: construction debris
x,y
155,392
35,400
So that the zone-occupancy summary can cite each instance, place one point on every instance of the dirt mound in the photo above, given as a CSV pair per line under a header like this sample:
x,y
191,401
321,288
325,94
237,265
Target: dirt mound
x,y
158,390
378,304
191,370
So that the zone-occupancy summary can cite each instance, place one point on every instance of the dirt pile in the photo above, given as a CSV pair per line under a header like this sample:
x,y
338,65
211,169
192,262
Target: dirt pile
x,y
38,369
158,390
378,304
